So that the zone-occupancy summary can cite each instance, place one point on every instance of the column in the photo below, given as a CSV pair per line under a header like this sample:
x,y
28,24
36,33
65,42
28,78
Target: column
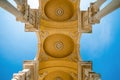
x,y
18,2
108,9
22,75
98,3
10,8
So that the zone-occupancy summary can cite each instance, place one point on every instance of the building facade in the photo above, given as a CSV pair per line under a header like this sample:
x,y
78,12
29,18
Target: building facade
x,y
58,25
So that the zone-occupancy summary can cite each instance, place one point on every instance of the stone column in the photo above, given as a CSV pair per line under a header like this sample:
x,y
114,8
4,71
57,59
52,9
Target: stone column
x,y
10,8
18,2
98,3
22,75
108,9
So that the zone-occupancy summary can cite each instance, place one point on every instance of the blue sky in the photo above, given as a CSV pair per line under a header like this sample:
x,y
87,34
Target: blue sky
x,y
102,46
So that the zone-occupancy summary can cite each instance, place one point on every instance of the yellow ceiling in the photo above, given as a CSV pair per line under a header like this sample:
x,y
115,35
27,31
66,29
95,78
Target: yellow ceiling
x,y
58,45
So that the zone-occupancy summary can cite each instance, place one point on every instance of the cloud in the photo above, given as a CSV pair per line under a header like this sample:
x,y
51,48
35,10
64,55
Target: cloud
x,y
84,4
93,44
33,3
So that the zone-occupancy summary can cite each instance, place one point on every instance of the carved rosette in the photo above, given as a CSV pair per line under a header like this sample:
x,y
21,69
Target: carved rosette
x,y
58,45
